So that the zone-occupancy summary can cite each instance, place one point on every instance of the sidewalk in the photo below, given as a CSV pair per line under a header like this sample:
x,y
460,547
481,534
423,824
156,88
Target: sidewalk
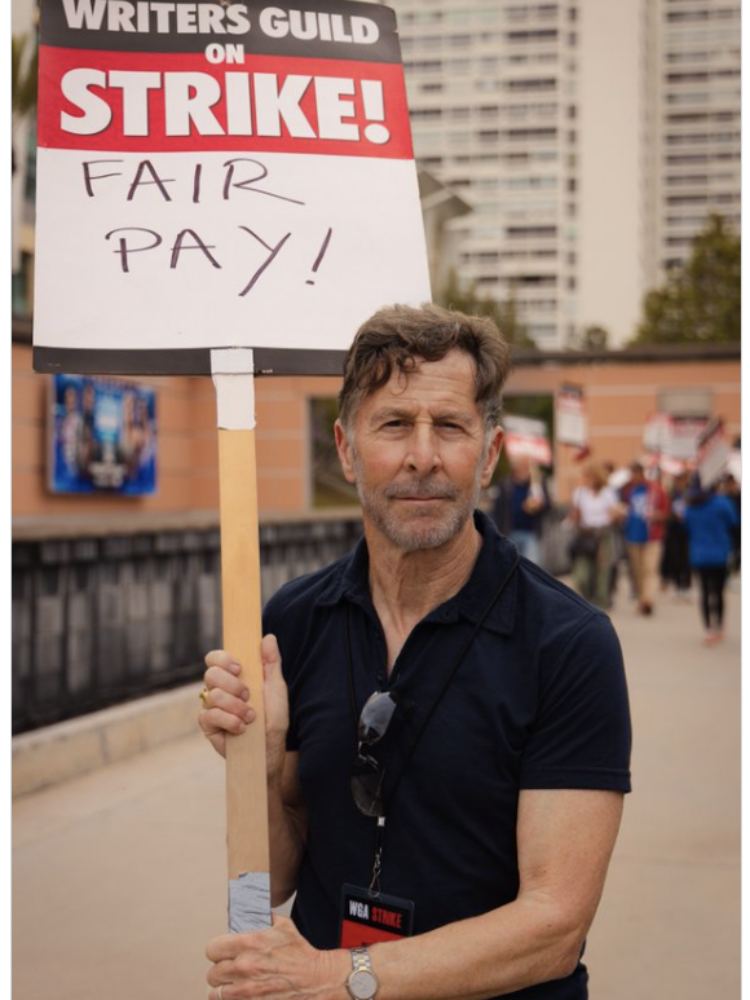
x,y
119,876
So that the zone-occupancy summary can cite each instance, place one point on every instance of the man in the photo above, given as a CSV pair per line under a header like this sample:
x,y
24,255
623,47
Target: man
x,y
454,746
521,503
645,525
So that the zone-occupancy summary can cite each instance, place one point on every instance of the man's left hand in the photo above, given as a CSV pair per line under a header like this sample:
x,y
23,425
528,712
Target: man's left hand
x,y
277,964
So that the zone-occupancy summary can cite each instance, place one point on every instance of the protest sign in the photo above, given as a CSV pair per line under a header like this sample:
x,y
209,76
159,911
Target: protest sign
x,y
220,175
229,189
674,437
527,438
571,425
713,453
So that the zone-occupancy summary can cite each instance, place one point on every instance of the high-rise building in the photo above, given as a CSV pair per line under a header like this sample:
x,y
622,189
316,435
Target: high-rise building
x,y
697,100
590,137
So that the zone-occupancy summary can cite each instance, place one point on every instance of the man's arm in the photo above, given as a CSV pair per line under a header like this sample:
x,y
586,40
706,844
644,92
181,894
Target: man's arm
x,y
565,840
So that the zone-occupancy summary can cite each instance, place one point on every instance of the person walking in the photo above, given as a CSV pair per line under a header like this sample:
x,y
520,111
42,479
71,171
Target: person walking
x,y
647,512
675,563
448,744
520,506
594,511
710,519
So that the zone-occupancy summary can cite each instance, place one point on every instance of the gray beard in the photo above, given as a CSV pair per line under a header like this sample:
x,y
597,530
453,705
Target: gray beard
x,y
412,537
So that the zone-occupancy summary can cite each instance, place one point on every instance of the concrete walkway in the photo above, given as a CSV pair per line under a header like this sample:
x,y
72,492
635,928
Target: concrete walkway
x,y
119,875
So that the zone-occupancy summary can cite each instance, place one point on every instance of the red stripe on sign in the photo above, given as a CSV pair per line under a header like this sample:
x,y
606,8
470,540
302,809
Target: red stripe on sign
x,y
145,102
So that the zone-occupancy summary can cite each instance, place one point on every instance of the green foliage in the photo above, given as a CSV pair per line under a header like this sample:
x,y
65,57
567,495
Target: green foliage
x,y
593,338
24,70
504,314
700,302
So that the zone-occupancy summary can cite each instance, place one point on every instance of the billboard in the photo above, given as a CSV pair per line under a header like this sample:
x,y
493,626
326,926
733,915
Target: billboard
x,y
102,436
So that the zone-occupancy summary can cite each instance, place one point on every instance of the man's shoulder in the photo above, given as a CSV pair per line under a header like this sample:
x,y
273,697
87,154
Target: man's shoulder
x,y
310,590
552,593
551,615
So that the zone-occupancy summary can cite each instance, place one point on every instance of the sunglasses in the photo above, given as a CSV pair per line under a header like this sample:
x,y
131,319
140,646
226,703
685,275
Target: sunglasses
x,y
367,772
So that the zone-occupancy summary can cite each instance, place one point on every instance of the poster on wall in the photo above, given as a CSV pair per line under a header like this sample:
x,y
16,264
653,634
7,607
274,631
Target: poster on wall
x,y
220,175
102,436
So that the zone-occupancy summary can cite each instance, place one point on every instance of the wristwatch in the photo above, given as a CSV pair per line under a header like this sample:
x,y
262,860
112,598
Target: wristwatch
x,y
362,983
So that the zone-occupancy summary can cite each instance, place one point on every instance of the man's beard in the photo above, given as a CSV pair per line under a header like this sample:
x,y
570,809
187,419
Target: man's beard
x,y
410,535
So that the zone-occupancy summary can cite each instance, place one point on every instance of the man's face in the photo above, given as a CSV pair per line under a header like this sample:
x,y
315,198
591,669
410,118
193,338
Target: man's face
x,y
419,453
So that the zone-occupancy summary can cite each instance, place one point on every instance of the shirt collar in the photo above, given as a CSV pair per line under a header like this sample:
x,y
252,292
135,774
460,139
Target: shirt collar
x,y
495,560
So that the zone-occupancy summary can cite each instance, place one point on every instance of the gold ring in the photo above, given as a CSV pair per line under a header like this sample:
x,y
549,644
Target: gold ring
x,y
204,697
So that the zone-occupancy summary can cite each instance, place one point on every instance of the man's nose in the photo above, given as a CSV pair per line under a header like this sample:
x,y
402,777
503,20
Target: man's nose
x,y
423,455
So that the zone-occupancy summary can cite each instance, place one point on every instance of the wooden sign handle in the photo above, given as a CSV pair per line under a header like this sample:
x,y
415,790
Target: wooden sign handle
x,y
248,851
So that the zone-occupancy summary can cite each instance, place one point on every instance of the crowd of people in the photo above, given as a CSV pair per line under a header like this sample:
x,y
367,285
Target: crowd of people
x,y
632,530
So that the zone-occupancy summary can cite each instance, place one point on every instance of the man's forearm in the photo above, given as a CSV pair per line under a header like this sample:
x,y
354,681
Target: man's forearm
x,y
287,829
526,942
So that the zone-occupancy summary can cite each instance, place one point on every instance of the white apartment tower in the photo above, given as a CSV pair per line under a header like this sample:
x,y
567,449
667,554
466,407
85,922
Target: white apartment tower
x,y
698,112
492,92
591,138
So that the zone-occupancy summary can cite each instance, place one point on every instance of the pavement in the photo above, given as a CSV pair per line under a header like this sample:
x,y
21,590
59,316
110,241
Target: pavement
x,y
118,860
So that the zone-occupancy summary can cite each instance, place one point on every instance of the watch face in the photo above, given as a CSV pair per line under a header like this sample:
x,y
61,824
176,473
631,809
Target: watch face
x,y
363,985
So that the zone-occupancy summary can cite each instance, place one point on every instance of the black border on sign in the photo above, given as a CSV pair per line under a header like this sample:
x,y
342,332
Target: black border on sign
x,y
188,361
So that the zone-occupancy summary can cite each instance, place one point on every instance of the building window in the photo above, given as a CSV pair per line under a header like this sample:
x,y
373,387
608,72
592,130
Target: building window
x,y
328,486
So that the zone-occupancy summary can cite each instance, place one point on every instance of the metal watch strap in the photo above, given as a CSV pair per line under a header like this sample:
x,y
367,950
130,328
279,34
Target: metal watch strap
x,y
361,960
362,983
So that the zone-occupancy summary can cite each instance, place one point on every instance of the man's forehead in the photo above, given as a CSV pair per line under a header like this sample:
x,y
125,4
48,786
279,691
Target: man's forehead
x,y
440,390
455,367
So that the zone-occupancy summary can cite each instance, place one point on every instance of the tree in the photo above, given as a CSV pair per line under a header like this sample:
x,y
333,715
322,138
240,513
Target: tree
x,y
23,83
700,302
592,338
504,314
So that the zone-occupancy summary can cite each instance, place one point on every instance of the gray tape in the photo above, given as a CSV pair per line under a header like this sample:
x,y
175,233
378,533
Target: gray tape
x,y
250,902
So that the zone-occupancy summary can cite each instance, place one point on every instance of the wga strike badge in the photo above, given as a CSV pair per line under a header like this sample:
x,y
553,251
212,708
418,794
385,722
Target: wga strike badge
x,y
367,918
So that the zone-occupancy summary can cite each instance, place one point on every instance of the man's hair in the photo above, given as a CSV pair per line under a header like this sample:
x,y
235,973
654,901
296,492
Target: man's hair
x,y
397,337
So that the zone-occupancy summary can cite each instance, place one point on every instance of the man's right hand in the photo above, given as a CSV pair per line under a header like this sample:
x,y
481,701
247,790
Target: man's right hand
x,y
226,709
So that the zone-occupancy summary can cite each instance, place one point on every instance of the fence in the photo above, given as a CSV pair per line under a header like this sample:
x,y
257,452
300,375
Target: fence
x,y
101,620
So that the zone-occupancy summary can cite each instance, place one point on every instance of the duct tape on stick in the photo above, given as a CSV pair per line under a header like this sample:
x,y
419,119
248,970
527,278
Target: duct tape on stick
x,y
250,902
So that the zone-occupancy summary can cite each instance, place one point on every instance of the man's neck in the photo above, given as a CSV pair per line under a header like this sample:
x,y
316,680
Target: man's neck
x,y
406,586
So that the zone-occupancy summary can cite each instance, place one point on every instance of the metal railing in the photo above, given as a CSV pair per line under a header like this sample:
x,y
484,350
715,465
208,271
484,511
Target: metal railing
x,y
102,620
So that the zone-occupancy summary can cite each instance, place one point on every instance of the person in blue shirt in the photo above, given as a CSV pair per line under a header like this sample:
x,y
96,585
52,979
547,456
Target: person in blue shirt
x,y
448,744
520,506
710,519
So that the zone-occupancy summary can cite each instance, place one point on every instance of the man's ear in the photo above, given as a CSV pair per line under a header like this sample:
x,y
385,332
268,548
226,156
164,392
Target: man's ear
x,y
493,456
344,449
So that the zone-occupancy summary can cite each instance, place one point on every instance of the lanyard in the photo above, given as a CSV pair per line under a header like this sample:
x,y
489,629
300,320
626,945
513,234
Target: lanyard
x,y
375,882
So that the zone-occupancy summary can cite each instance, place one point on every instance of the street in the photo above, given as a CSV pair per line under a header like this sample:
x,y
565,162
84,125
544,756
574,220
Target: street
x,y
119,876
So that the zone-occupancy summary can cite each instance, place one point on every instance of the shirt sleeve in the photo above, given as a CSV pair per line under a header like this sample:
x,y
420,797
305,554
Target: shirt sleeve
x,y
581,737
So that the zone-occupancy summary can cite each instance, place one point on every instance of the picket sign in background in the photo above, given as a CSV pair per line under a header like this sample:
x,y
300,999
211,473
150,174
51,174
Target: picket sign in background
x,y
187,203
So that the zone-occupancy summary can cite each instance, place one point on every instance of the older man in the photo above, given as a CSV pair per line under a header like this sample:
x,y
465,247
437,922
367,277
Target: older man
x,y
447,765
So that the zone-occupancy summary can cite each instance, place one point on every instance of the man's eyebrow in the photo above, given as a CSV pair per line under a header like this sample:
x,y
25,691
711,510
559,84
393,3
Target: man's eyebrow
x,y
405,412
389,412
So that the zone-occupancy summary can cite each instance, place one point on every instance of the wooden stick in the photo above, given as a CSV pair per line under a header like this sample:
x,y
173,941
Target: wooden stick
x,y
248,851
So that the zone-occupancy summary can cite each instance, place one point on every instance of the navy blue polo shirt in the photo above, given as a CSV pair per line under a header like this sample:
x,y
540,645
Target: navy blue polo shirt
x,y
538,702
